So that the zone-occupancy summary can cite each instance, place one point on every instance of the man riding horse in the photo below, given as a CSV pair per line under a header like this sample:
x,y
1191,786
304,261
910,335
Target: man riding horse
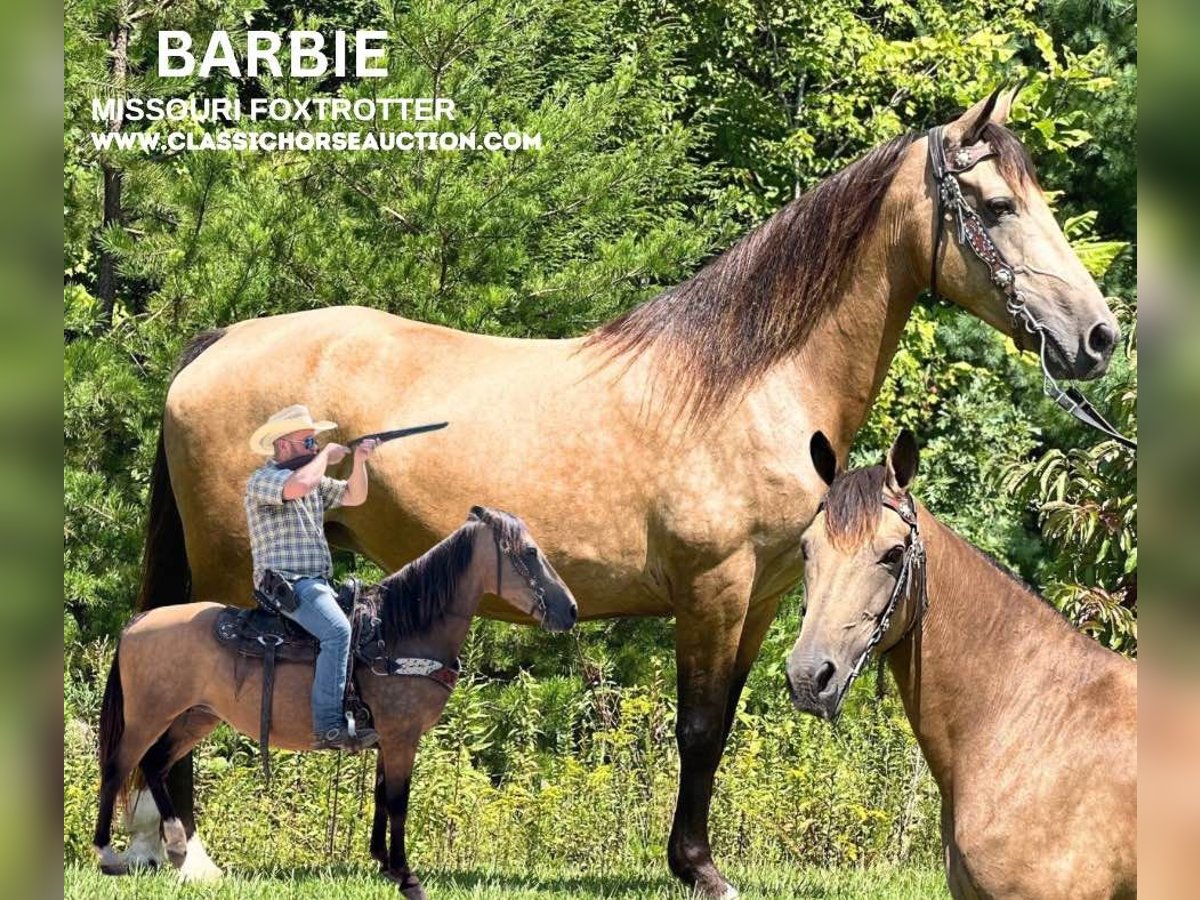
x,y
286,499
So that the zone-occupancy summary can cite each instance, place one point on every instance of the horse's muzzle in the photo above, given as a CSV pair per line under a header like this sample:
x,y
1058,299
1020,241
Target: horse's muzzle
x,y
816,687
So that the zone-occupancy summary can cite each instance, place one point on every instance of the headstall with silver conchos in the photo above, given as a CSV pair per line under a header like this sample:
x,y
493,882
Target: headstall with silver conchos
x,y
972,233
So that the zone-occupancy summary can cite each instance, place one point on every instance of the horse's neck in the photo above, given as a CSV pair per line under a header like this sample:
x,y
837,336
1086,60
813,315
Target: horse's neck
x,y
831,381
445,639
986,648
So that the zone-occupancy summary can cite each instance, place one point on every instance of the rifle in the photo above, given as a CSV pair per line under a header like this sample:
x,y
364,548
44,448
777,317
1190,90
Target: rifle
x,y
382,436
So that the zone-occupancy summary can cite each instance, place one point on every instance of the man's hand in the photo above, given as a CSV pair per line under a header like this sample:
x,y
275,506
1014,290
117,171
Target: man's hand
x,y
364,449
335,453
356,486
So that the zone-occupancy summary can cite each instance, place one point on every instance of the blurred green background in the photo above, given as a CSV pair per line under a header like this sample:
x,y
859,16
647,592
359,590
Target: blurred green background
x,y
670,128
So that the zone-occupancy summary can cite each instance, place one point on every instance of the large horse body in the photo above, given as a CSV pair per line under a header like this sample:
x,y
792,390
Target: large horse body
x,y
652,495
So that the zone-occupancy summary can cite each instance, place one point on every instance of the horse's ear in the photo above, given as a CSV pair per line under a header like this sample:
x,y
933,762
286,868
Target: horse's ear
x,y
902,461
823,457
477,513
967,128
1005,104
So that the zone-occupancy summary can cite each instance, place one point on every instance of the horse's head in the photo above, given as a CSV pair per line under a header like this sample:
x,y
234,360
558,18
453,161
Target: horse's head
x,y
995,177
524,577
863,574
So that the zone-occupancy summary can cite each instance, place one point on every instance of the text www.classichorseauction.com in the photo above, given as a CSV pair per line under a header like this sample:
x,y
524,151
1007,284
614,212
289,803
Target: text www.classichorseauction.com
x,y
198,111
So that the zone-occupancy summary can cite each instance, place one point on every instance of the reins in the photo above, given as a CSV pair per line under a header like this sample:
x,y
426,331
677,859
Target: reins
x,y
972,233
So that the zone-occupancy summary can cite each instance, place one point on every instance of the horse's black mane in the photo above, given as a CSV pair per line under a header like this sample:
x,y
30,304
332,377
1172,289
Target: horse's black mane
x,y
417,597
727,325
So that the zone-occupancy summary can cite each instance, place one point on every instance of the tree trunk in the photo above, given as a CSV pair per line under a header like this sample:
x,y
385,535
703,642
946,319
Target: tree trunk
x,y
114,177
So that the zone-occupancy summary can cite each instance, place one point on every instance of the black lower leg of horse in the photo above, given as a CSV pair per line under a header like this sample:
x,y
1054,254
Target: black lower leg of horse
x,y
706,647
182,786
155,765
113,778
379,824
110,786
397,808
700,731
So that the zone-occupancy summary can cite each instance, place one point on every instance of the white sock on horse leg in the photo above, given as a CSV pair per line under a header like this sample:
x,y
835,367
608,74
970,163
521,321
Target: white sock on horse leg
x,y
197,866
142,822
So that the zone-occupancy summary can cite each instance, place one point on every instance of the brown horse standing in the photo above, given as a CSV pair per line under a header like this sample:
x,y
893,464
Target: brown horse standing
x,y
172,681
1028,726
656,458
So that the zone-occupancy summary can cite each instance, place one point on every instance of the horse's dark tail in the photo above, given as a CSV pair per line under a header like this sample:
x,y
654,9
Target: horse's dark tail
x,y
166,576
112,716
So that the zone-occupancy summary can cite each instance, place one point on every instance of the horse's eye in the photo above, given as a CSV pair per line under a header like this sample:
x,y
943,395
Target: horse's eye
x,y
1001,207
893,556
531,552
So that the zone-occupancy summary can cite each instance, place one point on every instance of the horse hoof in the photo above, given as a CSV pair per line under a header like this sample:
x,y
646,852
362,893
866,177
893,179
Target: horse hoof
x,y
410,888
712,886
110,862
176,842
196,864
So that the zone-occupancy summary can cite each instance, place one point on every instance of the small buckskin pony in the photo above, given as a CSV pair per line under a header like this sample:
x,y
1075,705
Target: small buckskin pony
x,y
1028,726
172,681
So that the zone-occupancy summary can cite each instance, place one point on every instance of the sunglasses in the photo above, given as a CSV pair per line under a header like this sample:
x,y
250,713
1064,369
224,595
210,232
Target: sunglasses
x,y
310,442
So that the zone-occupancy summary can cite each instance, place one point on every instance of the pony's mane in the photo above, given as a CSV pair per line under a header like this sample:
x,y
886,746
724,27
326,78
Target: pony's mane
x,y
724,327
414,599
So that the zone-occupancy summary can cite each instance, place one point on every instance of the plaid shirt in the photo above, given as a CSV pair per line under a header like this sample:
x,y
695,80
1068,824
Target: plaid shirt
x,y
287,535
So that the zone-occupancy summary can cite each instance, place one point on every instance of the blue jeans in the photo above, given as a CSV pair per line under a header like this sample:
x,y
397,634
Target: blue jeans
x,y
318,613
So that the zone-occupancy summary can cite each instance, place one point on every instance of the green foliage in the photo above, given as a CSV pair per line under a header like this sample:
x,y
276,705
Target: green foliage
x,y
1086,503
669,129
560,772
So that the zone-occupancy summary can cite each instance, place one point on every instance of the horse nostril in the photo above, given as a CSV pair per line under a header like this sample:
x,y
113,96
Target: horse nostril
x,y
574,613
1102,339
824,676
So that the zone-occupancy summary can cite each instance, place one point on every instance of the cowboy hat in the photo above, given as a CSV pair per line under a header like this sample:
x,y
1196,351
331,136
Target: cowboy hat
x,y
292,418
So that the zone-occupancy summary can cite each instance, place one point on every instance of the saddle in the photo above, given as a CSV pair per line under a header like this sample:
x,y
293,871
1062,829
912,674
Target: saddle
x,y
252,632
261,632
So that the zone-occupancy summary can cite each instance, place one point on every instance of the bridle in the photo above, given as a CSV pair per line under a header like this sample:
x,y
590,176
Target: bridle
x,y
505,551
972,233
911,580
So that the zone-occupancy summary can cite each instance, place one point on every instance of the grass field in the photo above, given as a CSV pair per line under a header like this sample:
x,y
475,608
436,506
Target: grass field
x,y
357,883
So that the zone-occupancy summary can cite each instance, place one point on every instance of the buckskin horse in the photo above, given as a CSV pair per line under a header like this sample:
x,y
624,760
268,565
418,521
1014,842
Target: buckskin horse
x,y
1028,726
656,457
173,678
